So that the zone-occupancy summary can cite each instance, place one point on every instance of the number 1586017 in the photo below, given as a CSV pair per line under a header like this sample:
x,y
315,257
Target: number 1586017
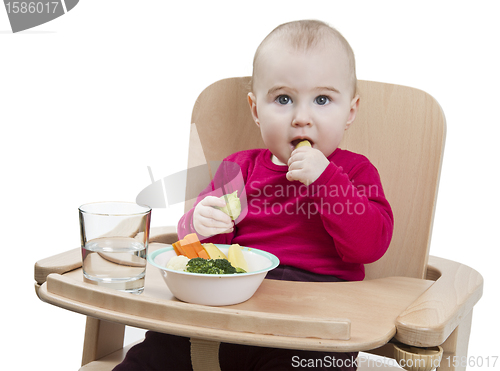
x,y
471,361
31,7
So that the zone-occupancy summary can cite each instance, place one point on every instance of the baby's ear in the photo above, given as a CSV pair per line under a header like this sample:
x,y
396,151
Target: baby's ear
x,y
353,111
252,101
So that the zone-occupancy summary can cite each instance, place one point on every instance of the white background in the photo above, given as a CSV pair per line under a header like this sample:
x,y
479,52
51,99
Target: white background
x,y
91,99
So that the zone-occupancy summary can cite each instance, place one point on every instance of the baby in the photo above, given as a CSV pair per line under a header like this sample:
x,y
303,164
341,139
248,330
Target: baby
x,y
320,209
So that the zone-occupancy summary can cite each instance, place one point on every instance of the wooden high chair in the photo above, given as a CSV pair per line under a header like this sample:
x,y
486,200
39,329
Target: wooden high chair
x,y
407,297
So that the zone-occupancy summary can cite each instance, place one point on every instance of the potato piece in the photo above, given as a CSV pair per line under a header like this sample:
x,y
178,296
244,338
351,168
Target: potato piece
x,y
304,143
236,258
213,252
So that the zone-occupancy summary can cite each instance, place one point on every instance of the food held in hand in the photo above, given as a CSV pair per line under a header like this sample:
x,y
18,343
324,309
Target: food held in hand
x,y
304,143
236,258
178,263
233,205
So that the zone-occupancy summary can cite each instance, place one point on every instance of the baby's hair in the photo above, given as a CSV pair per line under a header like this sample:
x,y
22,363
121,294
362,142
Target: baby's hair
x,y
304,35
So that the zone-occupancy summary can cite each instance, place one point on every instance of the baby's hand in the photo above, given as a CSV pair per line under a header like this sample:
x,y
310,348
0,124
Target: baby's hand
x,y
306,164
208,221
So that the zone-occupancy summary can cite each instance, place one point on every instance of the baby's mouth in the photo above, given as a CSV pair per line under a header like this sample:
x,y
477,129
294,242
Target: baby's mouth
x,y
298,140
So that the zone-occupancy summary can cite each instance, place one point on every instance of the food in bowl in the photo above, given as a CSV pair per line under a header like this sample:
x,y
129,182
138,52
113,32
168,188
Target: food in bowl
x,y
191,247
215,289
206,258
213,252
236,257
178,263
211,266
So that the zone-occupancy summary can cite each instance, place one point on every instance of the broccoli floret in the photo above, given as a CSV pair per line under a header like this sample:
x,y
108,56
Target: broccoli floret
x,y
211,266
197,265
224,266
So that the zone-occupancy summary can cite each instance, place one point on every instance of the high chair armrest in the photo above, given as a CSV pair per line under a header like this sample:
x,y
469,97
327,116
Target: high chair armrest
x,y
60,263
167,234
72,259
440,309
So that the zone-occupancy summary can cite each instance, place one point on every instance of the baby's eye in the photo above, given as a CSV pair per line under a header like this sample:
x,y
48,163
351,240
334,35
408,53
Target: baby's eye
x,y
283,99
322,100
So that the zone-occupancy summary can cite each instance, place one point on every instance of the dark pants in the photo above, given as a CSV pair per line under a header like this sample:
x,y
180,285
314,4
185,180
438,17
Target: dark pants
x,y
168,352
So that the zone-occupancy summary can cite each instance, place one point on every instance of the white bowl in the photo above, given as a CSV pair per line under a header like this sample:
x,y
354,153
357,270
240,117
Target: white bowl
x,y
215,289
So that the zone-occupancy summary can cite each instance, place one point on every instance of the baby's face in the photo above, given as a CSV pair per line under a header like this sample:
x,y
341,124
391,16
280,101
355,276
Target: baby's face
x,y
302,95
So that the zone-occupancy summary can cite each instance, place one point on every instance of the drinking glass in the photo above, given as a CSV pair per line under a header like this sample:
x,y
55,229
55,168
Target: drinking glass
x,y
114,241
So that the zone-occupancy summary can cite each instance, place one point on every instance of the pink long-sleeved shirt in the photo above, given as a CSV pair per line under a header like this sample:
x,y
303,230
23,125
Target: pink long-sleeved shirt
x,y
333,226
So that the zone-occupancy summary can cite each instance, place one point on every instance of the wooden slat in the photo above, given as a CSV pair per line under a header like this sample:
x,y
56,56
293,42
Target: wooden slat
x,y
72,259
166,235
402,131
108,362
101,339
278,308
456,347
435,314
60,263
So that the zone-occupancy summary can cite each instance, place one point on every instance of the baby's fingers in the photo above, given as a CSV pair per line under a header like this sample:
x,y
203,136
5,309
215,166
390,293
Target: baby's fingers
x,y
208,220
294,170
213,201
207,209
292,175
297,174
209,226
216,224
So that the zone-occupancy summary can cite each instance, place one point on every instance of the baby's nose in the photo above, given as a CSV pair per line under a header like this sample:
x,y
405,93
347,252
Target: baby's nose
x,y
302,117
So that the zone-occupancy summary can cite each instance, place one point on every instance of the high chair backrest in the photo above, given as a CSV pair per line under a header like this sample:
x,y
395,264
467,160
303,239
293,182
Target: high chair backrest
x,y
400,129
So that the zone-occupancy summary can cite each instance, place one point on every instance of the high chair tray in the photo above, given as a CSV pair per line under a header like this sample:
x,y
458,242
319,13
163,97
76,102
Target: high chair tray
x,y
282,314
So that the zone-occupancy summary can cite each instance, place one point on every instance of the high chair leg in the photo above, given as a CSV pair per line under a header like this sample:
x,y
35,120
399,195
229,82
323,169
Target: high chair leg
x,y
101,338
456,346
